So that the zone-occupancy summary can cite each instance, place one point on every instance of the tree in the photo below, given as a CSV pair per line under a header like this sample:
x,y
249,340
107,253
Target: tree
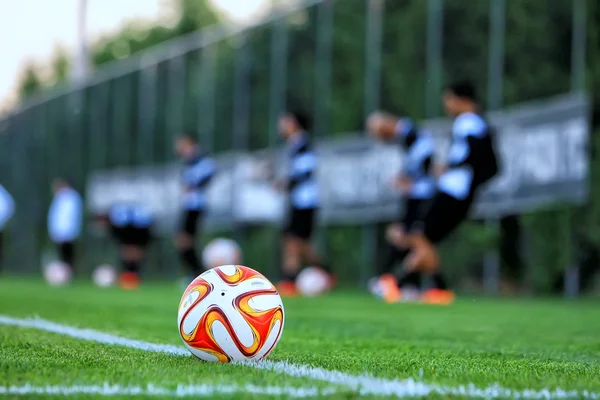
x,y
61,65
29,82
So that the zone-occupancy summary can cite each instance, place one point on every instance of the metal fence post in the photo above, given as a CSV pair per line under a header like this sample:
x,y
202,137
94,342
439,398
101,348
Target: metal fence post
x,y
578,56
434,61
278,72
491,259
323,67
206,105
372,98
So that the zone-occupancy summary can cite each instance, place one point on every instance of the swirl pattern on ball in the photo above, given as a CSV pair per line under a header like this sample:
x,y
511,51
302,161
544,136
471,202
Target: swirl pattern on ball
x,y
231,313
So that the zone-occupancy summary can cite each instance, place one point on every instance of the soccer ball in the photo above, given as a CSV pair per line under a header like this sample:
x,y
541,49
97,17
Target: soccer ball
x,y
104,276
57,273
230,313
221,252
312,281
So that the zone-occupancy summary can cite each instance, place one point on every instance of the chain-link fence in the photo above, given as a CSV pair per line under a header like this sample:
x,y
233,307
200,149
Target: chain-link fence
x,y
338,59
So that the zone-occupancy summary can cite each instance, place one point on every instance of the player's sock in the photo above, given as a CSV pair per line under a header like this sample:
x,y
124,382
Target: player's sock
x,y
131,266
290,276
393,257
439,282
410,278
190,258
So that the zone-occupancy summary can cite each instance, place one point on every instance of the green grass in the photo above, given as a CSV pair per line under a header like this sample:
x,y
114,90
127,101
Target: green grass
x,y
520,344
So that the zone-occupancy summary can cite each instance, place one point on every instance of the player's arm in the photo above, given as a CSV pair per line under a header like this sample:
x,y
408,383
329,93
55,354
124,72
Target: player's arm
x,y
382,125
403,183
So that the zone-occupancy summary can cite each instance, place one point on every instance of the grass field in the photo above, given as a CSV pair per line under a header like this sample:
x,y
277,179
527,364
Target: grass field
x,y
341,346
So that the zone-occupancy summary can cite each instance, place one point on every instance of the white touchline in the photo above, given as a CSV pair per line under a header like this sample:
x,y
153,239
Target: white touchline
x,y
363,384
153,390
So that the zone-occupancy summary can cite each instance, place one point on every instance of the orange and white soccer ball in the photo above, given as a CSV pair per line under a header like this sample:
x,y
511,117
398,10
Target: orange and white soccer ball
x,y
313,281
221,252
57,273
104,276
230,313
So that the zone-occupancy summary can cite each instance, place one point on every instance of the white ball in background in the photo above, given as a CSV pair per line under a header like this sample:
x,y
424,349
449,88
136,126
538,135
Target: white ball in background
x,y
104,276
221,251
57,273
313,281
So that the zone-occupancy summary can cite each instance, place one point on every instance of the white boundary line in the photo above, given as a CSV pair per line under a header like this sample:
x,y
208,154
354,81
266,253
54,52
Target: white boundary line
x,y
363,384
153,390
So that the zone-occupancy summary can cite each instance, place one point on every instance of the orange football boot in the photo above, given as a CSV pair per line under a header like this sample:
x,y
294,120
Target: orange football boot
x,y
287,289
129,280
389,288
438,296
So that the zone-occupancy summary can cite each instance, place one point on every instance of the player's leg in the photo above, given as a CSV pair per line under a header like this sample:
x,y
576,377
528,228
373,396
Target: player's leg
x,y
133,244
389,285
131,257
185,242
291,259
66,253
307,251
444,216
294,234
385,284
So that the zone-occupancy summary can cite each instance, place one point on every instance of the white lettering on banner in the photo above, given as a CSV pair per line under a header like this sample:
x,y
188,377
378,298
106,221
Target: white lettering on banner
x,y
540,155
359,180
576,135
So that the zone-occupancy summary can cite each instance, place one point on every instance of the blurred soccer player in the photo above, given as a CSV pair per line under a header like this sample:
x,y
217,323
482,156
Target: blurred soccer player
x,y
417,186
471,162
303,194
131,228
198,170
64,219
7,208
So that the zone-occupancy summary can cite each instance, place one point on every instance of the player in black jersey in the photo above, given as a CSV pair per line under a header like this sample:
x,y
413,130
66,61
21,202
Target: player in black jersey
x,y
198,170
303,194
471,163
130,225
416,183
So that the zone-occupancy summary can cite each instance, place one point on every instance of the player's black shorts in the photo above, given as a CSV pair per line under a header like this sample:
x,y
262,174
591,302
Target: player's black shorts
x,y
414,212
300,222
444,216
190,220
130,235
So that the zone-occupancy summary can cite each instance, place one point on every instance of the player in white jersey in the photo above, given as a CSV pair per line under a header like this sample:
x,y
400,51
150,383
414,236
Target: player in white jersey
x,y
7,208
303,193
416,185
197,172
471,163
64,219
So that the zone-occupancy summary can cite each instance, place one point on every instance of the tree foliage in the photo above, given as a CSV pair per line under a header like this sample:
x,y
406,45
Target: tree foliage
x,y
29,81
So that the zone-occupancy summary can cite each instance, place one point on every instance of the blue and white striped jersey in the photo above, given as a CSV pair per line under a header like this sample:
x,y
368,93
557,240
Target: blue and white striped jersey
x,y
7,206
130,214
302,162
65,216
418,161
197,173
472,158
